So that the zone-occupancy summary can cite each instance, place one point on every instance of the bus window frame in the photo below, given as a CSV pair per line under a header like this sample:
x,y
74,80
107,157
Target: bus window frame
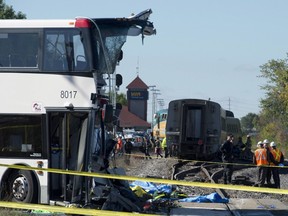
x,y
24,31
41,32
31,154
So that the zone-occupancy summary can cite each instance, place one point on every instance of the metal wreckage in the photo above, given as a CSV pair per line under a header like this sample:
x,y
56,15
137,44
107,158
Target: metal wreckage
x,y
97,192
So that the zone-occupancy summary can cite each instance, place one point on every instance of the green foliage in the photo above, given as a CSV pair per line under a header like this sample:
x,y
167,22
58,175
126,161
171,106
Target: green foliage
x,y
7,12
276,102
122,99
248,123
272,120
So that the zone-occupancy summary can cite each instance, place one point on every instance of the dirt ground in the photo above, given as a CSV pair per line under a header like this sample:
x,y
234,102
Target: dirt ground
x,y
162,168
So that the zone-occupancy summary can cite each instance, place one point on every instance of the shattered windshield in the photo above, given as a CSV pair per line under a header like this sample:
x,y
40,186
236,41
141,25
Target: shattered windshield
x,y
108,47
110,35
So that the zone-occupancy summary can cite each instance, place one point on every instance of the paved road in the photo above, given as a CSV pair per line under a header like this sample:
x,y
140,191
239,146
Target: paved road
x,y
235,207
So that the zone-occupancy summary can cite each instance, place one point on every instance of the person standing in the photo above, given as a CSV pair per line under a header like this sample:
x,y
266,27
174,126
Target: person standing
x,y
248,143
146,146
128,150
278,159
237,149
164,147
158,148
227,158
270,160
260,159
119,146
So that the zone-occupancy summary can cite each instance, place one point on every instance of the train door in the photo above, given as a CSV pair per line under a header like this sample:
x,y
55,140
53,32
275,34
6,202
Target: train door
x,y
192,131
69,135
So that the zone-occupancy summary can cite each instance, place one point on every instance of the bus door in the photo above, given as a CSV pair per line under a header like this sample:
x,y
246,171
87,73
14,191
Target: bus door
x,y
192,130
69,141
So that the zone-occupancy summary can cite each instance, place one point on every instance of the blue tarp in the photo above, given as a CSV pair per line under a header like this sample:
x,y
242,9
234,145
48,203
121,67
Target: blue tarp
x,y
210,198
151,188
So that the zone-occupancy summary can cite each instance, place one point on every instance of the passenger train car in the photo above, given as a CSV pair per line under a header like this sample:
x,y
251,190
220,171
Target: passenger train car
x,y
159,124
196,128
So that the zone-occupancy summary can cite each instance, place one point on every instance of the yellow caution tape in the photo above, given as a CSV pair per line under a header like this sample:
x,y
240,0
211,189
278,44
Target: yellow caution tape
x,y
72,210
210,162
155,180
82,211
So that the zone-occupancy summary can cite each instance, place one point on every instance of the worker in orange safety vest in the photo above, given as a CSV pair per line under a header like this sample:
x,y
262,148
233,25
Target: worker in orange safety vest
x,y
260,158
278,161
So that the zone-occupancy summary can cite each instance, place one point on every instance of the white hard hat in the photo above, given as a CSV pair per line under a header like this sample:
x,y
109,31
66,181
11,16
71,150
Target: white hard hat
x,y
273,144
259,143
266,141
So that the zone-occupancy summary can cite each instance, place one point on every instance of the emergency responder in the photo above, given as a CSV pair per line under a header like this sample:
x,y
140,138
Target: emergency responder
x,y
260,159
278,160
164,147
270,160
248,143
237,149
227,158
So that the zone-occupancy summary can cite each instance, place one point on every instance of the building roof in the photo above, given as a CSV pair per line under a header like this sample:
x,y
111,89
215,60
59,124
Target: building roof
x,y
130,120
137,83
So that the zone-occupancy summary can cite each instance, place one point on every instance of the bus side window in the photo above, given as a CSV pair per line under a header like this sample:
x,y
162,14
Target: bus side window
x,y
4,61
15,143
16,60
31,61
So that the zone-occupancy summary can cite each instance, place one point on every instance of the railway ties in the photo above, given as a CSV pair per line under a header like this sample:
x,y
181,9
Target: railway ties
x,y
235,207
214,177
208,172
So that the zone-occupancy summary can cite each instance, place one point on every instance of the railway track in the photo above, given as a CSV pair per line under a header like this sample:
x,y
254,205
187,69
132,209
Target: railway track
x,y
208,172
204,172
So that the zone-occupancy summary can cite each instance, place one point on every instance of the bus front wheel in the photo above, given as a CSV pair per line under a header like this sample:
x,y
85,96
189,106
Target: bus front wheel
x,y
21,187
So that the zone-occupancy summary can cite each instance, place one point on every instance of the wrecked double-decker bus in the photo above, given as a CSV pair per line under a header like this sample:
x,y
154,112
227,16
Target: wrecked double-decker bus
x,y
53,111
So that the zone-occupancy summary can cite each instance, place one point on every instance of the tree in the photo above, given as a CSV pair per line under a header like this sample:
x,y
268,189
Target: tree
x,y
248,123
273,122
276,102
122,99
7,12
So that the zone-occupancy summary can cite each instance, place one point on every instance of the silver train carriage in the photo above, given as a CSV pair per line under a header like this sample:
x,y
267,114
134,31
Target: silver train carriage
x,y
196,128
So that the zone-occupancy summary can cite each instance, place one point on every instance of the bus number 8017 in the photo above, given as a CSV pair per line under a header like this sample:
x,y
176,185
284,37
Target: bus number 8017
x,y
68,94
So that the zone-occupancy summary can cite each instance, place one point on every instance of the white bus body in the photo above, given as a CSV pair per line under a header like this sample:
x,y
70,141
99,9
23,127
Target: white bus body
x,y
37,91
51,75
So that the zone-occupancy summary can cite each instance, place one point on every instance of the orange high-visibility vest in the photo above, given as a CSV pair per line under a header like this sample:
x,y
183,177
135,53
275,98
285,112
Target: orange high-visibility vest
x,y
261,157
276,154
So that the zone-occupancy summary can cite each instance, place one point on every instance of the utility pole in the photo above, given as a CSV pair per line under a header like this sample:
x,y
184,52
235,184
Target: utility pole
x,y
161,103
153,91
152,110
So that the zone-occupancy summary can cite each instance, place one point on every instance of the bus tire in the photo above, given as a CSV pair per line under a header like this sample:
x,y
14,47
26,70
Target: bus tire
x,y
21,187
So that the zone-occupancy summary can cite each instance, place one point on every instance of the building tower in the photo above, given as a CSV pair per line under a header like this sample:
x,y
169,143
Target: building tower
x,y
137,96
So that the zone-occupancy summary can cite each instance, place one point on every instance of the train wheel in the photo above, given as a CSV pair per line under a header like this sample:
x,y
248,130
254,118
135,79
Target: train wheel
x,y
21,187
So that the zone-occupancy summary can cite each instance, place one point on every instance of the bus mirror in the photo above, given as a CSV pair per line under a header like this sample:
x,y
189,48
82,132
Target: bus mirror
x,y
120,57
107,113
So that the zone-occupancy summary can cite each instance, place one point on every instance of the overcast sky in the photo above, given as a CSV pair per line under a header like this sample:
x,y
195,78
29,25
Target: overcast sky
x,y
203,49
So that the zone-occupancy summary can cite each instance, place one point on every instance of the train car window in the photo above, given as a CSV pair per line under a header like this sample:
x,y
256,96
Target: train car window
x,y
193,123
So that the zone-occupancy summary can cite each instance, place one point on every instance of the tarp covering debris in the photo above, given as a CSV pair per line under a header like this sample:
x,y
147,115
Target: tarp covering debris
x,y
156,190
210,198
